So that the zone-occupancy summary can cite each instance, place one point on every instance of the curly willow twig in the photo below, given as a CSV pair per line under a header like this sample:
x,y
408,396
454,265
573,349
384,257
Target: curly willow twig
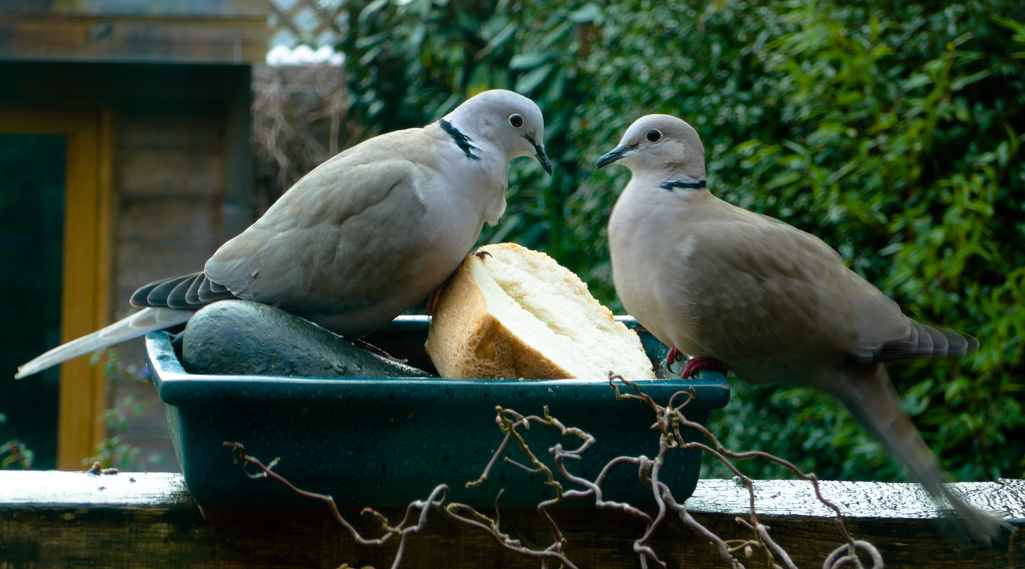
x,y
670,421
435,503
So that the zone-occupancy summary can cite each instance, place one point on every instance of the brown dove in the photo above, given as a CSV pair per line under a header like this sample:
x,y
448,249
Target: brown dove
x,y
739,290
361,238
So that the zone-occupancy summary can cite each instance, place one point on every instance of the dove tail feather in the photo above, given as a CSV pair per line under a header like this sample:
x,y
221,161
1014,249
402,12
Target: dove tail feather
x,y
926,341
139,324
872,399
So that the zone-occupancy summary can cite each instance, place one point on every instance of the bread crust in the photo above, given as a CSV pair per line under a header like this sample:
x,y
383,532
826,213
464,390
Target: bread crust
x,y
467,340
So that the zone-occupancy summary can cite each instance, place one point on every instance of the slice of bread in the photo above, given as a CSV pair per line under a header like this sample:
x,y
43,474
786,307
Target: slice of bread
x,y
509,312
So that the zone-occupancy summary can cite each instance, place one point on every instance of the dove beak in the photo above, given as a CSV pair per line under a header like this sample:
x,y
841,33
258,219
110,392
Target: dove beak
x,y
539,153
614,156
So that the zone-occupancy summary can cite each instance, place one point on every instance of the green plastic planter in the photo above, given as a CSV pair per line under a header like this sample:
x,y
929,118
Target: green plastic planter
x,y
387,442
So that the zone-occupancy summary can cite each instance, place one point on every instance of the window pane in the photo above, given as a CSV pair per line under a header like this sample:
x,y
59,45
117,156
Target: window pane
x,y
31,245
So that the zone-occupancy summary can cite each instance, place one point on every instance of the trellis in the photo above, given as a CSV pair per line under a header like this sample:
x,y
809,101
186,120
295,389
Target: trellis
x,y
315,23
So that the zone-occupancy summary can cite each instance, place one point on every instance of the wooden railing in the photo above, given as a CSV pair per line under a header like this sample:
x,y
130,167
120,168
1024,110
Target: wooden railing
x,y
64,519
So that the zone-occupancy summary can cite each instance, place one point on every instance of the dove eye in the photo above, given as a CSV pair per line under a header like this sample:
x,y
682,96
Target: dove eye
x,y
516,120
654,135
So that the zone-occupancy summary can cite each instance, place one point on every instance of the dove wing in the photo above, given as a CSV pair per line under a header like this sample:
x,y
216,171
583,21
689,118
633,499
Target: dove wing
x,y
757,290
364,242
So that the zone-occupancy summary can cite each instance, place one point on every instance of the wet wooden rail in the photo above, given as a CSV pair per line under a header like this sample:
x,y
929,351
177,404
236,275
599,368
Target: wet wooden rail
x,y
70,519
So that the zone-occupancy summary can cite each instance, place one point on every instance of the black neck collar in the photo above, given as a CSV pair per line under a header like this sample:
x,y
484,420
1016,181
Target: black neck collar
x,y
671,184
461,140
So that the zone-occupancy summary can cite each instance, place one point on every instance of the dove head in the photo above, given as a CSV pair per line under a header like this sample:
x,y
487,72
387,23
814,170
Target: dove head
x,y
508,121
660,143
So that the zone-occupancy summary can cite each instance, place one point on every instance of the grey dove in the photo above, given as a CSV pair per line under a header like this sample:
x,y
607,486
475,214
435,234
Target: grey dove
x,y
739,290
361,238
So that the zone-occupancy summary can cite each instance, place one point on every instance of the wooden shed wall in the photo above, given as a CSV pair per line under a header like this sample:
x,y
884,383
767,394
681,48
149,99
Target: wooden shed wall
x,y
180,31
180,175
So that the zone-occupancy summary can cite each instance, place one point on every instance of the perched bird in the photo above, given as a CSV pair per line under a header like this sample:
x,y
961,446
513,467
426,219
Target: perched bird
x,y
364,236
739,290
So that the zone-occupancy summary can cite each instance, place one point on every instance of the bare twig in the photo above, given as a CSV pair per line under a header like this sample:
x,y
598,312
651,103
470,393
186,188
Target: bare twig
x,y
670,423
671,419
300,119
459,513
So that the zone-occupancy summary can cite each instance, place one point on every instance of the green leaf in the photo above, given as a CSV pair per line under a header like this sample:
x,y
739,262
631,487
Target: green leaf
x,y
530,60
782,179
371,41
961,82
795,147
370,10
840,173
531,80
915,81
588,13
503,37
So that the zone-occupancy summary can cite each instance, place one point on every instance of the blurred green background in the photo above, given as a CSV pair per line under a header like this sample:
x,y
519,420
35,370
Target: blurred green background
x,y
891,130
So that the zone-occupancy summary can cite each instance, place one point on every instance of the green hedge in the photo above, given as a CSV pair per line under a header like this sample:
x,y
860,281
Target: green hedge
x,y
891,130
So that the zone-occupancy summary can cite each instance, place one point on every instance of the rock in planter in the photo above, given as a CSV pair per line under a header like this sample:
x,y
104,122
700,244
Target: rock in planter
x,y
238,337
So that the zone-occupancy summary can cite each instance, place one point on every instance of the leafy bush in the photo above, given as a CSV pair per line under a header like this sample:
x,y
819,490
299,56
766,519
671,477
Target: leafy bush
x,y
14,452
891,131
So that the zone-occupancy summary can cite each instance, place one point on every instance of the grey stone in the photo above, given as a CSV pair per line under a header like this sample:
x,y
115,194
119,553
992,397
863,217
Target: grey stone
x,y
238,337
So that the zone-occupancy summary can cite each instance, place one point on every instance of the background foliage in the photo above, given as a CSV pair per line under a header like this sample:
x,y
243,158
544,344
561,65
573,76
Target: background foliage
x,y
891,130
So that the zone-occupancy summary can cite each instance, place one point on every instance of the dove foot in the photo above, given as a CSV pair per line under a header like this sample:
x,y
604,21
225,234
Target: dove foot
x,y
694,365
